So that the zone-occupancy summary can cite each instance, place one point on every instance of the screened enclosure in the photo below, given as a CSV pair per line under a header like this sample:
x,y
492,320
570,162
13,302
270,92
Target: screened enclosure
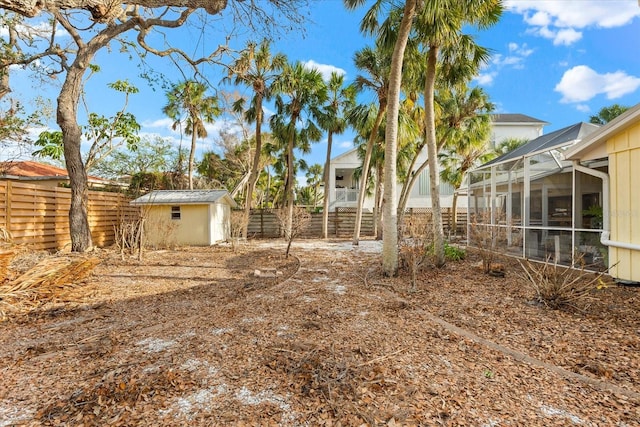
x,y
534,204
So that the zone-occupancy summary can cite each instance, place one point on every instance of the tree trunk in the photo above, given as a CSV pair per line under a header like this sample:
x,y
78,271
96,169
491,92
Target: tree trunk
x,y
454,208
253,176
290,186
390,233
192,155
379,202
71,136
365,175
327,191
432,152
408,187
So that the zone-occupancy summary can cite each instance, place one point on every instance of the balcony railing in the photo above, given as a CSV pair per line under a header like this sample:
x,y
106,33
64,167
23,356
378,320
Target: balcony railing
x,y
346,195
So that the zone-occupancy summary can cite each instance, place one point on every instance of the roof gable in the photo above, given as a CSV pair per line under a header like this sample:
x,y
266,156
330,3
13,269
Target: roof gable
x,y
619,124
509,118
557,139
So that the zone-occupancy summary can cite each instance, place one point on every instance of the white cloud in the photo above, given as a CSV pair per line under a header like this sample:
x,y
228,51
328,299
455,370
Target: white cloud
x,y
515,59
576,13
346,144
567,37
561,20
324,69
583,108
485,79
581,83
164,123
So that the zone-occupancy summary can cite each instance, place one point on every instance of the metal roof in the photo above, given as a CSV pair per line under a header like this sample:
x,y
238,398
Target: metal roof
x,y
557,139
626,119
184,197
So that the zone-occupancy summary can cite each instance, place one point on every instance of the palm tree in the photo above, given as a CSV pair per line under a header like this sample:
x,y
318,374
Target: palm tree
x,y
401,33
507,145
438,26
467,141
300,93
257,69
314,178
187,103
333,120
375,62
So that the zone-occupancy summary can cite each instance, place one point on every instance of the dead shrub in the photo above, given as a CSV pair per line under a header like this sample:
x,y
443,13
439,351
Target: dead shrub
x,y
300,220
487,239
559,287
414,247
129,236
238,225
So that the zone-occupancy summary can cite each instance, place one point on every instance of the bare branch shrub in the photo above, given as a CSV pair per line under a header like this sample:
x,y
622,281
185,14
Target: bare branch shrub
x,y
486,238
299,222
559,287
238,225
414,246
129,234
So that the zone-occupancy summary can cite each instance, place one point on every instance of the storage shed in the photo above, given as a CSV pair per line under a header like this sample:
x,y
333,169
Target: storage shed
x,y
186,217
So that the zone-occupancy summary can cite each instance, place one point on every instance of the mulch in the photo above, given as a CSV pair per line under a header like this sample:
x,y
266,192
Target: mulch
x,y
193,336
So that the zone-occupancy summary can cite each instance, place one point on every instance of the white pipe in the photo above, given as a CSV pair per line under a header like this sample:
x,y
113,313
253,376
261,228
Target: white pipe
x,y
606,226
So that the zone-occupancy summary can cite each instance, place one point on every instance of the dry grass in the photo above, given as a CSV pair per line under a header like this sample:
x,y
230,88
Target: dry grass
x,y
49,280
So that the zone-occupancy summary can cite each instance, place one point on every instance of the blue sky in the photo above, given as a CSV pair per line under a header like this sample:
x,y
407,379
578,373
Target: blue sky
x,y
558,60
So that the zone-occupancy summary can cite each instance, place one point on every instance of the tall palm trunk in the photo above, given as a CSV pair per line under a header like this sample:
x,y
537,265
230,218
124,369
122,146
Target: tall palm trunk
x,y
327,181
432,152
365,174
407,187
379,202
253,176
290,185
390,233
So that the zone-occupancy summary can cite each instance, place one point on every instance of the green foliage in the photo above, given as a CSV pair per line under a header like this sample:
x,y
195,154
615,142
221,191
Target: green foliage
x,y
151,155
51,143
454,253
606,114
451,253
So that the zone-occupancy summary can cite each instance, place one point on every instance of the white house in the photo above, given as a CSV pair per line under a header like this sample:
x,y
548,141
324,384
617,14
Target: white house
x,y
344,188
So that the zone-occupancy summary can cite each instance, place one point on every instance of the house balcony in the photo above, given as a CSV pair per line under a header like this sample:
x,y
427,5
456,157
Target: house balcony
x,y
346,195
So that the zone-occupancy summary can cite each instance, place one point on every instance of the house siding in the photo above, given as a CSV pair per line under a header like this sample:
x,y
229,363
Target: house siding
x,y
624,158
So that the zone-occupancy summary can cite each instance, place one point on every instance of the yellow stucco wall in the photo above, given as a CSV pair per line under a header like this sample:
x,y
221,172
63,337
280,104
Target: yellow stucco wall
x,y
191,229
624,171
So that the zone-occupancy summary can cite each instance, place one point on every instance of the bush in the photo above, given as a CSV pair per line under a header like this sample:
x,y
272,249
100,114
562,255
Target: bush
x,y
559,287
454,253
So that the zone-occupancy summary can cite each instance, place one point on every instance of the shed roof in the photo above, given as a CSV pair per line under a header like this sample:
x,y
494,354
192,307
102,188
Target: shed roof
x,y
185,197
557,139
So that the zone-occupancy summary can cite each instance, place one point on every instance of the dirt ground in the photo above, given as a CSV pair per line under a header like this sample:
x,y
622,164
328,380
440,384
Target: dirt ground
x,y
194,337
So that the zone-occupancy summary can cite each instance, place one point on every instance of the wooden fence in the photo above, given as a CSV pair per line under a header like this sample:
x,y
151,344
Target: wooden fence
x,y
38,216
264,223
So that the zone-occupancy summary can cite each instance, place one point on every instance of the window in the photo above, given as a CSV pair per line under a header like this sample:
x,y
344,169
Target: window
x,y
175,212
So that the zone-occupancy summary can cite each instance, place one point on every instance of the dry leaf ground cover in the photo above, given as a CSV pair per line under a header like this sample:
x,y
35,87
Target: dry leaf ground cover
x,y
193,337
